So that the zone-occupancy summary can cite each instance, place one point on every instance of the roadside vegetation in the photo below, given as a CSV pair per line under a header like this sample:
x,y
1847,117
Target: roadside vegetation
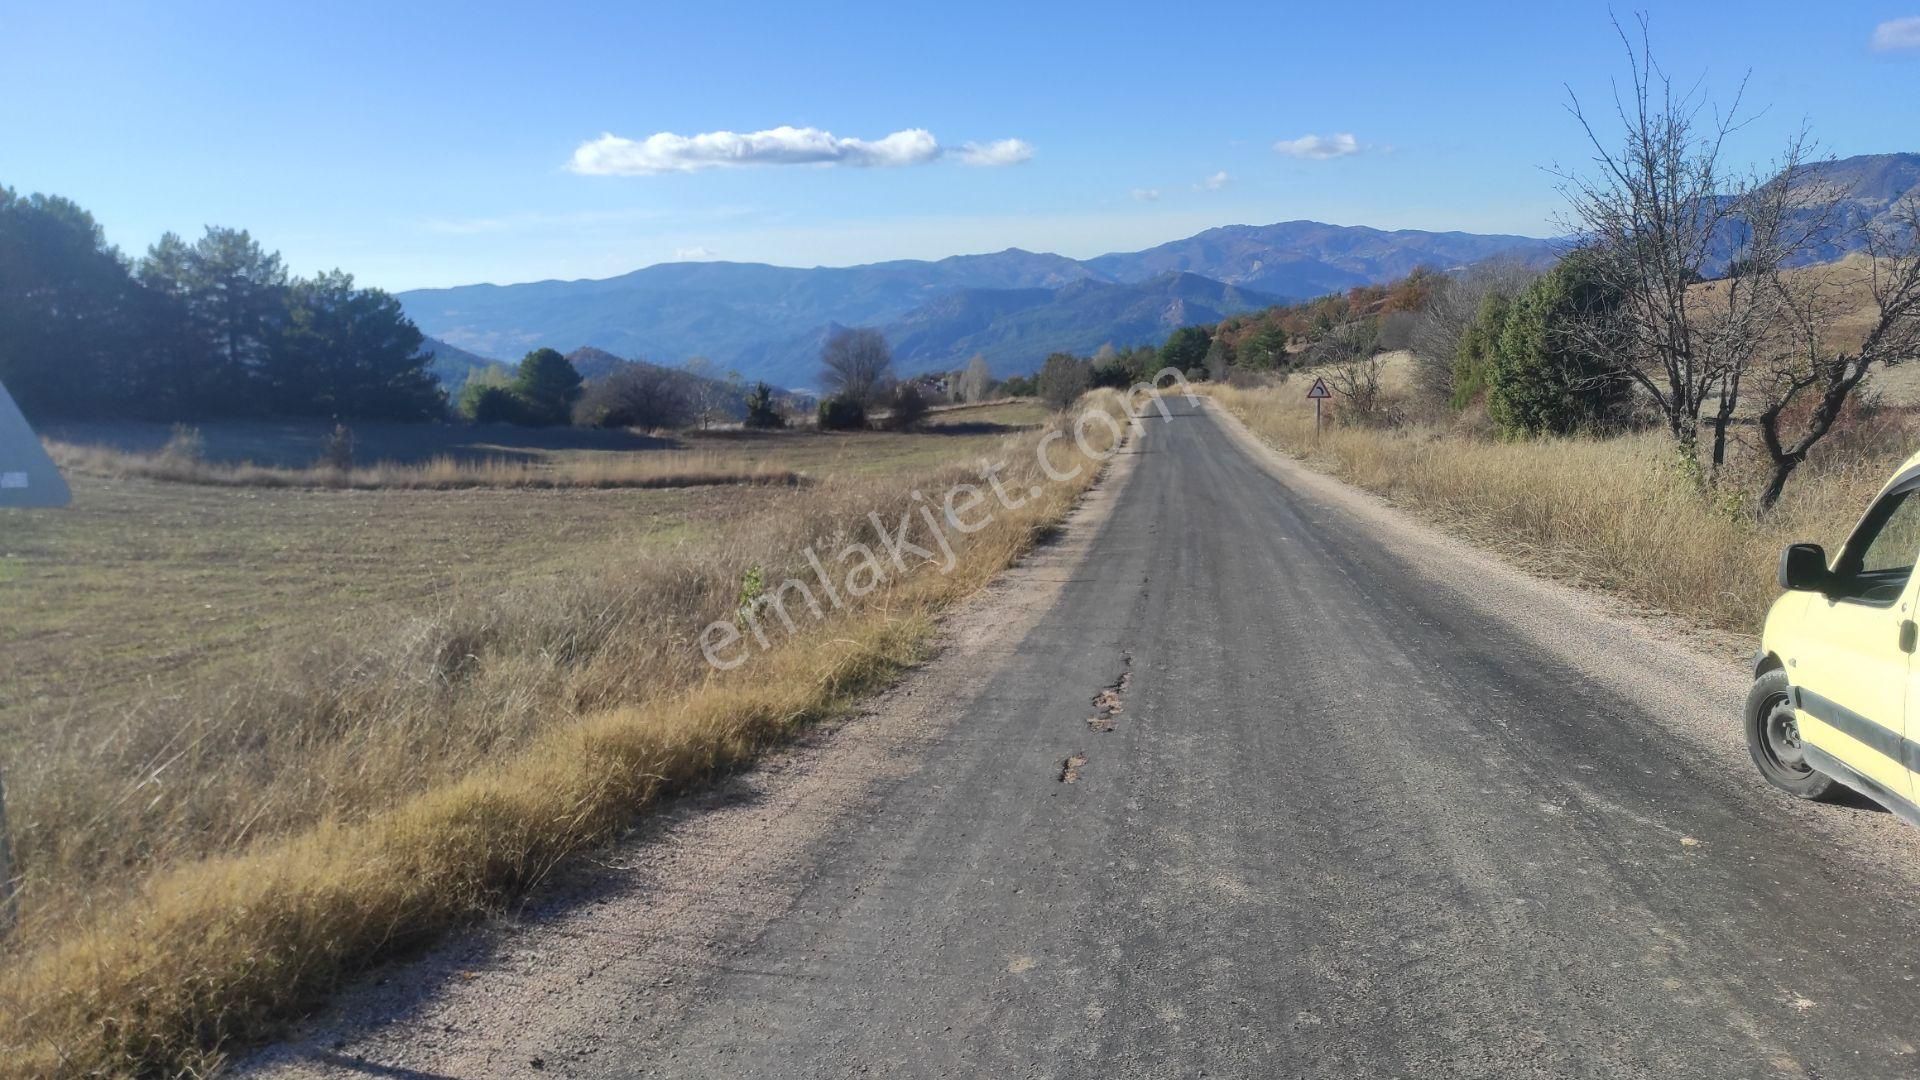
x,y
204,855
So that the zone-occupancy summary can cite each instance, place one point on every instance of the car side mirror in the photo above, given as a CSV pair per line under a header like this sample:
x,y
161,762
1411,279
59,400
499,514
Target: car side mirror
x,y
1803,567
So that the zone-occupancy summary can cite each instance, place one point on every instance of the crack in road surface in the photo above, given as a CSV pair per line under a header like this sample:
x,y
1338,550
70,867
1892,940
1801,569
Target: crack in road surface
x,y
1400,811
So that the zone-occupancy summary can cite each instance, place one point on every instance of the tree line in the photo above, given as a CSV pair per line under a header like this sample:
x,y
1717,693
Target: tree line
x,y
209,329
546,388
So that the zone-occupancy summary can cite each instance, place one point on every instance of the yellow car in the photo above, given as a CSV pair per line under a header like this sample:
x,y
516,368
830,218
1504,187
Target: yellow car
x,y
1832,696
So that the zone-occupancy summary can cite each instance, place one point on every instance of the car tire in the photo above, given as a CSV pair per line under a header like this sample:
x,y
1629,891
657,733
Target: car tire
x,y
1773,739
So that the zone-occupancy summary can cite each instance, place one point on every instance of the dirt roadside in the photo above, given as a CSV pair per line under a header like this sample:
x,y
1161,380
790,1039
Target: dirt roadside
x,y
688,892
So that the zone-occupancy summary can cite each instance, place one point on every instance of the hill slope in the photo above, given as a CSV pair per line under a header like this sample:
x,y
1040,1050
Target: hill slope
x,y
1013,329
1306,258
1869,187
453,366
768,321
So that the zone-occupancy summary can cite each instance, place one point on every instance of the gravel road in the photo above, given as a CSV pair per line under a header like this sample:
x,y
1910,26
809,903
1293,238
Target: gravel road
x,y
1251,774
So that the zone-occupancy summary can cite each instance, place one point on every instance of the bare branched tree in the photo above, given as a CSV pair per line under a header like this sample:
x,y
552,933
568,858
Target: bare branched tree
x,y
856,364
1062,379
1810,368
977,381
708,395
1664,214
1775,221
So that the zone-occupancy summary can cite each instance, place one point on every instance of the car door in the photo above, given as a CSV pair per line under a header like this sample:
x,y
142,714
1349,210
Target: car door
x,y
1853,666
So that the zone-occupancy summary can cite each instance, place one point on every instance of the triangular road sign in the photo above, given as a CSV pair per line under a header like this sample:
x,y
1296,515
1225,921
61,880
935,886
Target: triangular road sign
x,y
28,477
1319,390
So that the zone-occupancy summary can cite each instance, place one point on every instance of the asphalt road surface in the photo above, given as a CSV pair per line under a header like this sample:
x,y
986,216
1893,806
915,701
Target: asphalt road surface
x,y
1268,790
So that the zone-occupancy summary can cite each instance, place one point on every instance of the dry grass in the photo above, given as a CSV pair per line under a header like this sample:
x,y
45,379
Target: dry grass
x,y
654,469
1624,514
358,795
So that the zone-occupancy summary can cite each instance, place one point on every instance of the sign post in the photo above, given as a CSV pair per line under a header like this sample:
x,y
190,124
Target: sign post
x,y
1317,394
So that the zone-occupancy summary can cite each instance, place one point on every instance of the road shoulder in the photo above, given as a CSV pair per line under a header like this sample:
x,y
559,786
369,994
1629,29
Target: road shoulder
x,y
632,940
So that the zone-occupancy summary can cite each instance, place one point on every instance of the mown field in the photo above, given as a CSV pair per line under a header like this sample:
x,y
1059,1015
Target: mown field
x,y
201,673
144,582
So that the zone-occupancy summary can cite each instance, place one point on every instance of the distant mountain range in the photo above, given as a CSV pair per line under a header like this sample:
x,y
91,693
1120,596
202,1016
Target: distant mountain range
x,y
1872,184
1302,259
1013,306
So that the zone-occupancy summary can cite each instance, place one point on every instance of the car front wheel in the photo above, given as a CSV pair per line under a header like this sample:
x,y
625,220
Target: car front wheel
x,y
1773,738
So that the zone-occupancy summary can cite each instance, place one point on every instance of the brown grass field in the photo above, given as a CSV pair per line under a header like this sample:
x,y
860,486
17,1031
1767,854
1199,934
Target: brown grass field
x,y
651,469
255,737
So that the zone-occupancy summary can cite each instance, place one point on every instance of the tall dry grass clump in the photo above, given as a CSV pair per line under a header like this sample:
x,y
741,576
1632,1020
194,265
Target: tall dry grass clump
x,y
647,469
363,796
1624,513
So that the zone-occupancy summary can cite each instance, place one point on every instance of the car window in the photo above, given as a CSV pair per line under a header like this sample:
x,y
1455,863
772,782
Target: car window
x,y
1895,545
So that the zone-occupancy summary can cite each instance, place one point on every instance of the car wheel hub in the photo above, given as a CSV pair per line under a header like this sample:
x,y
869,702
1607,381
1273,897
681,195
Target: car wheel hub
x,y
1783,737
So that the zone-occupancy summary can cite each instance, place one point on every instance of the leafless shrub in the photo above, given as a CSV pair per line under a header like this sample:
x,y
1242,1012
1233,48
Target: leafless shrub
x,y
856,364
1357,382
185,447
906,407
638,396
336,449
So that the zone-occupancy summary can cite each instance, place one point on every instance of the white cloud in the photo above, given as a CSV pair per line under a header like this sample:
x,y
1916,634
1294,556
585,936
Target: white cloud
x,y
1319,147
1896,35
1215,182
665,152
1147,194
998,152
694,254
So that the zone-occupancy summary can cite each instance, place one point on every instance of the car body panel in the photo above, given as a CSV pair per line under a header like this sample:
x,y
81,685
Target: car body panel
x,y
1854,680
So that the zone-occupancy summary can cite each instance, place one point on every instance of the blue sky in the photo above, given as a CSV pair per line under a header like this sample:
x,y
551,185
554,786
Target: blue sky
x,y
434,144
